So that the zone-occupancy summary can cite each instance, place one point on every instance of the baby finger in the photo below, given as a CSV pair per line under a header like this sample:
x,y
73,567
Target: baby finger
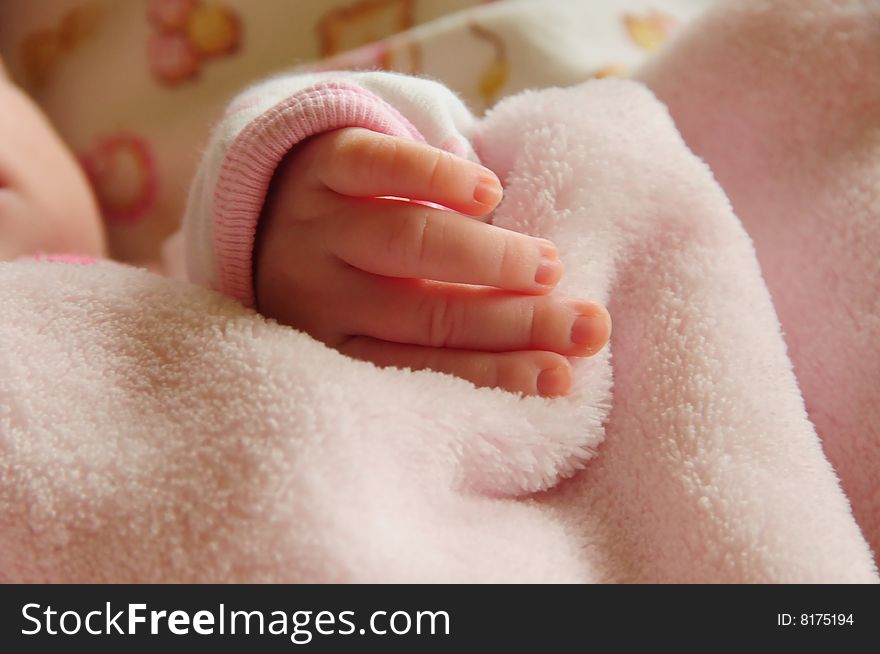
x,y
529,373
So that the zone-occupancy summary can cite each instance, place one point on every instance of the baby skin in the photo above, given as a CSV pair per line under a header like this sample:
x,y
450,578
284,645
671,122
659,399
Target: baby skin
x,y
45,201
351,251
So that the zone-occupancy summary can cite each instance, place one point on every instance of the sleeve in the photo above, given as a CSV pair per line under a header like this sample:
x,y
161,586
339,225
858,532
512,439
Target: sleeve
x,y
264,123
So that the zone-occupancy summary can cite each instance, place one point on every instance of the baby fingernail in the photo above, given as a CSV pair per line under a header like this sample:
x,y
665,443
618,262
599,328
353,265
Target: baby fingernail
x,y
591,329
487,191
554,381
549,272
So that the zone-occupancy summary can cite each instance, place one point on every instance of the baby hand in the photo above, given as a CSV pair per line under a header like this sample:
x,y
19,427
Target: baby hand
x,y
400,283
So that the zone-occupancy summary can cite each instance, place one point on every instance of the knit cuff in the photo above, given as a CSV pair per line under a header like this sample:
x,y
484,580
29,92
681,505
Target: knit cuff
x,y
256,152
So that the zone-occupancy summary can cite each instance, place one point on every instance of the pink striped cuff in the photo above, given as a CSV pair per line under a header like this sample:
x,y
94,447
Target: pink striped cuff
x,y
255,153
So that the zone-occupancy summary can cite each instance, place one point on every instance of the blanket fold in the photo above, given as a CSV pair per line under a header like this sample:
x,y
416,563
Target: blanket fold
x,y
154,431
782,99
710,469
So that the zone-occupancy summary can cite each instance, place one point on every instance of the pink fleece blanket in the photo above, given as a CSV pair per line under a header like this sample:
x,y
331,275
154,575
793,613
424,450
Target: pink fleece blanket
x,y
154,431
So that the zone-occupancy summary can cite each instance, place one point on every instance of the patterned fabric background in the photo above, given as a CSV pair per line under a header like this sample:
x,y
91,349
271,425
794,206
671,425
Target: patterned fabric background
x,y
135,85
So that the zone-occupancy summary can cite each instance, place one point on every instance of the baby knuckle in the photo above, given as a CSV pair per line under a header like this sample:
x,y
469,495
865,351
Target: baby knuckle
x,y
406,241
530,319
441,317
506,372
439,166
359,153
425,234
506,259
492,371
378,157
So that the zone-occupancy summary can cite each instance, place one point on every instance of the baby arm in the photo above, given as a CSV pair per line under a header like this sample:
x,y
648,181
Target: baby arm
x,y
45,201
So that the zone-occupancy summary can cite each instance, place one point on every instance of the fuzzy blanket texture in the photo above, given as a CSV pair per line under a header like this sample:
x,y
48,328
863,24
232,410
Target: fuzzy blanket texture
x,y
726,207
